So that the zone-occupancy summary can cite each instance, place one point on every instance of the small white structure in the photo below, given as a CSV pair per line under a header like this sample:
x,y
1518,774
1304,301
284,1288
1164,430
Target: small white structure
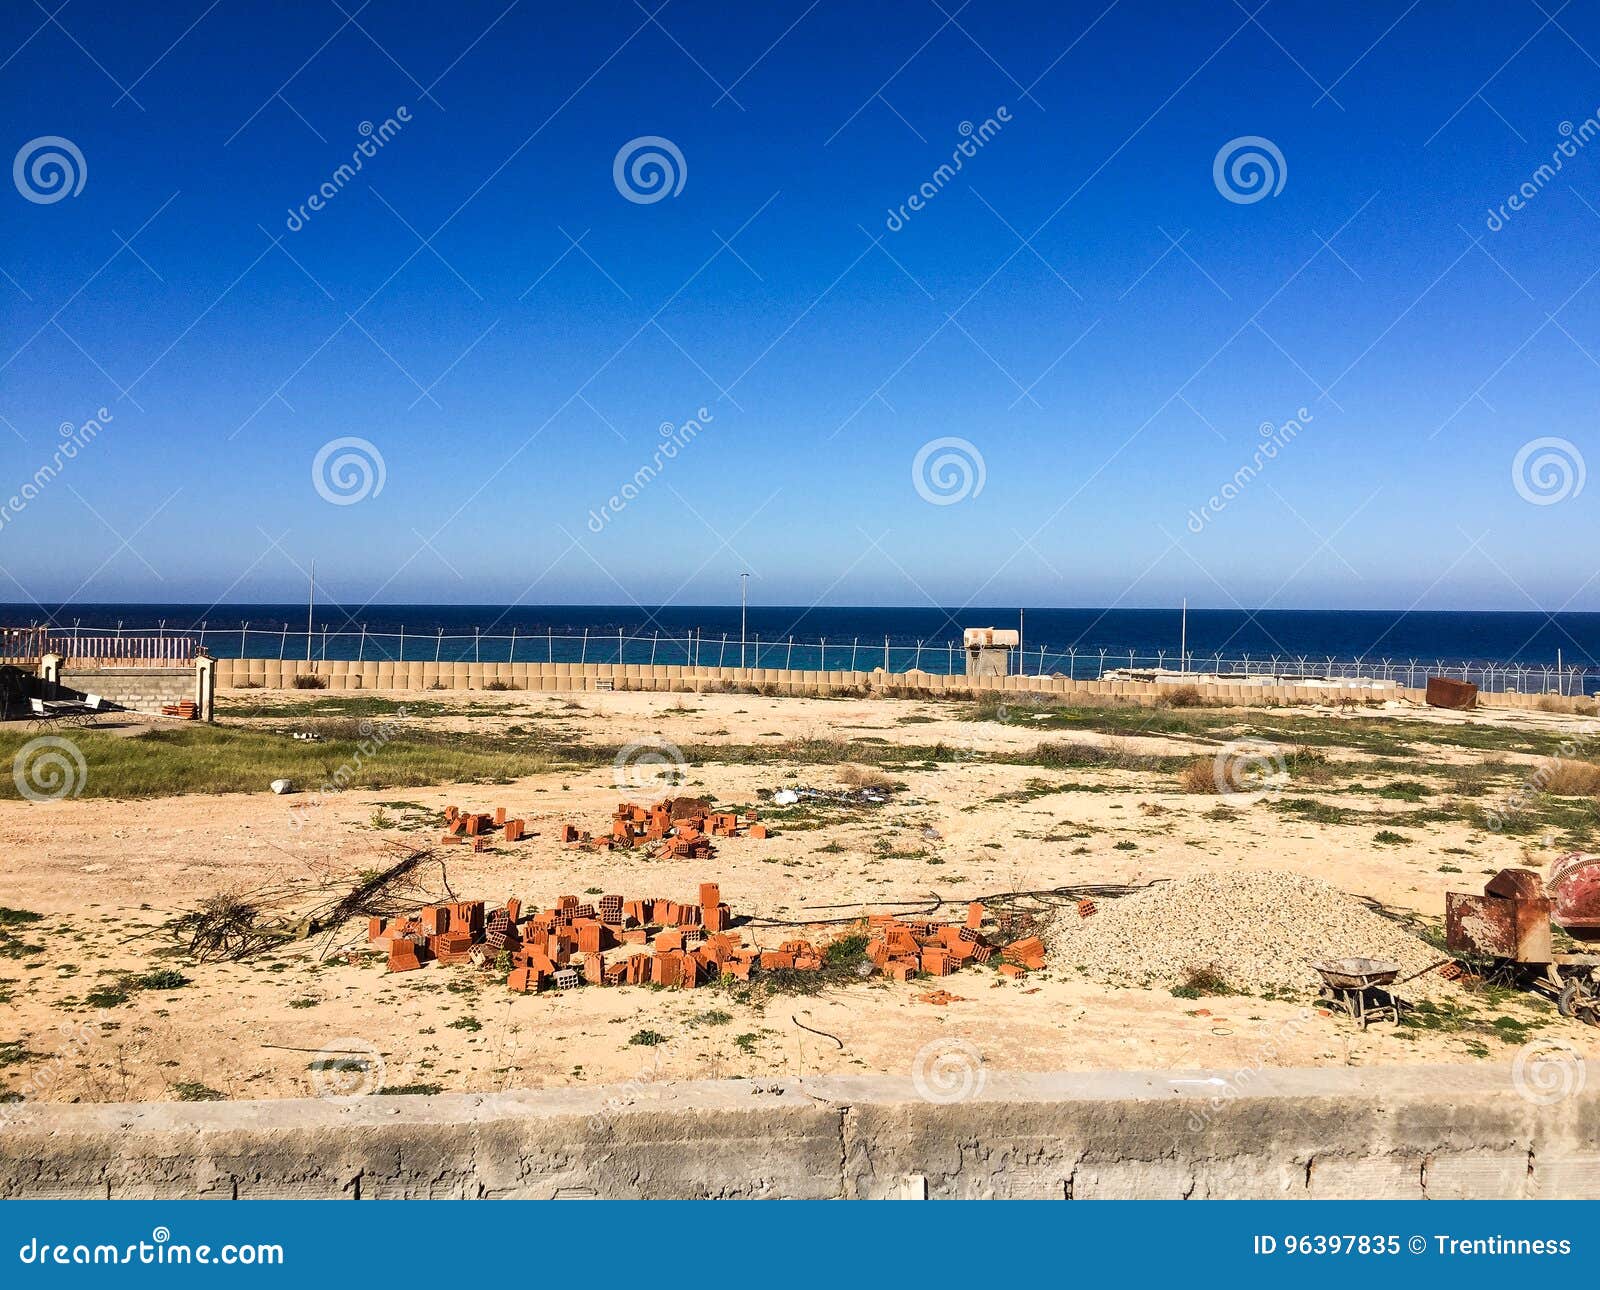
x,y
989,650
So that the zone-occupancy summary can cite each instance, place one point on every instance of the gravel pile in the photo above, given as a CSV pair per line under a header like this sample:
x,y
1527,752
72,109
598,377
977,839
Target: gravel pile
x,y
1258,931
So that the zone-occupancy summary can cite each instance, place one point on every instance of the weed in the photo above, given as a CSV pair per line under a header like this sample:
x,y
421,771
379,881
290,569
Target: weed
x,y
1182,696
646,1039
1311,810
191,1091
1200,981
1573,779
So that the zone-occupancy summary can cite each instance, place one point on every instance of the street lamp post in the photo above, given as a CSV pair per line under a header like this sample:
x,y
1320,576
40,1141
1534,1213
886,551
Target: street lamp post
x,y
744,585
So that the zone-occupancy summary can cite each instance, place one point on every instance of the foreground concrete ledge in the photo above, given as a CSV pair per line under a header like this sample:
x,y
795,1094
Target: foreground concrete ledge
x,y
958,1131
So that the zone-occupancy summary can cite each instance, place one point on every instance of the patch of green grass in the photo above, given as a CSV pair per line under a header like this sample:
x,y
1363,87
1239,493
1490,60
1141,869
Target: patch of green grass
x,y
1404,790
208,759
746,1043
192,1091
469,1024
847,951
108,996
1311,810
406,1090
13,1052
646,1039
18,917
1125,845
162,979
1202,981
714,1017
1389,838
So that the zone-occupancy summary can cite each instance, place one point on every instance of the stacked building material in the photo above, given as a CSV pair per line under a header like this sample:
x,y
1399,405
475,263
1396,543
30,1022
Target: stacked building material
x,y
676,829
902,948
474,826
667,943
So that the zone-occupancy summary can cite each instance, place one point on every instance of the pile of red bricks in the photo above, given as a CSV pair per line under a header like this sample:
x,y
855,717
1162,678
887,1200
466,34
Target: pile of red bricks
x,y
473,827
663,942
688,837
902,948
616,941
186,709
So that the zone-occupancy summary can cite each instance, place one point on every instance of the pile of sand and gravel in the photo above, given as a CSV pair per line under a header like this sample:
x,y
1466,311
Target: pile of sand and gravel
x,y
1258,931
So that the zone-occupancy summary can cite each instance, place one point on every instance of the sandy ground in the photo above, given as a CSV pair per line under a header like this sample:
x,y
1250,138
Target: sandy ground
x,y
109,876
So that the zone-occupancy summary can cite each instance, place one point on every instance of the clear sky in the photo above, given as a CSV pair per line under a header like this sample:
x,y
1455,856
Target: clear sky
x,y
1104,318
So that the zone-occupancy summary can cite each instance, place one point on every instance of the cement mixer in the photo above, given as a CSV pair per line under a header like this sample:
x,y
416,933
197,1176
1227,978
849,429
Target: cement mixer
x,y
1511,924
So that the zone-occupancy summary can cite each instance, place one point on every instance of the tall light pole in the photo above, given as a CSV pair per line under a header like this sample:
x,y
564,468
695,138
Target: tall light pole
x,y
744,587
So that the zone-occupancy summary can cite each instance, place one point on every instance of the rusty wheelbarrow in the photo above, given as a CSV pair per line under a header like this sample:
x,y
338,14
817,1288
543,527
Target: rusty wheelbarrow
x,y
1356,985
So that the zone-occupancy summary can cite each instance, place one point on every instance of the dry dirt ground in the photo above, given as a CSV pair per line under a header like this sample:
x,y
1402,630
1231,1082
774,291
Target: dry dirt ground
x,y
107,878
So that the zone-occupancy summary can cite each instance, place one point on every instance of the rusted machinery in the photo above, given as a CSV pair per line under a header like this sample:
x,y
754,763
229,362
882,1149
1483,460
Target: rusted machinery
x,y
1511,923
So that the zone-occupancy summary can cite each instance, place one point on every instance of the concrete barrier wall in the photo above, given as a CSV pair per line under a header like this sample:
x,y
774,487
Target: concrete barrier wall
x,y
275,674
138,689
1420,1132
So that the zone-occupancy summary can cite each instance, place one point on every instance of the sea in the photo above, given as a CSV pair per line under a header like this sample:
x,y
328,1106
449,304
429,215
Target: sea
x,y
1078,642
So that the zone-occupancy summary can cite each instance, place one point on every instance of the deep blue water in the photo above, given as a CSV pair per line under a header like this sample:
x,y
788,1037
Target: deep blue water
x,y
1072,639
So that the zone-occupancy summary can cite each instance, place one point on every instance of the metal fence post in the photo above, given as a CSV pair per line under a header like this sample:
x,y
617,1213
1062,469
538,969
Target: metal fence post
x,y
361,647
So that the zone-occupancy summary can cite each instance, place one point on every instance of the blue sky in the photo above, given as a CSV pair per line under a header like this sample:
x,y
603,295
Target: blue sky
x,y
1081,304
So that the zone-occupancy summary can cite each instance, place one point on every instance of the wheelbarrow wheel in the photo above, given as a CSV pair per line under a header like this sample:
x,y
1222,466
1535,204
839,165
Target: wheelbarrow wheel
x,y
1567,1000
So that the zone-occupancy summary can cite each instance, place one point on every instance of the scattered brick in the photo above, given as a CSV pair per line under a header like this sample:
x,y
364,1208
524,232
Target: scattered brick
x,y
404,956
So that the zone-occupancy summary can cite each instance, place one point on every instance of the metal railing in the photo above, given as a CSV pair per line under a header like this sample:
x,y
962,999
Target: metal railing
x,y
853,654
154,649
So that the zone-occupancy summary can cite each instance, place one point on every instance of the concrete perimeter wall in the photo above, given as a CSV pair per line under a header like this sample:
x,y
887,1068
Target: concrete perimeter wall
x,y
275,674
138,689
1419,1132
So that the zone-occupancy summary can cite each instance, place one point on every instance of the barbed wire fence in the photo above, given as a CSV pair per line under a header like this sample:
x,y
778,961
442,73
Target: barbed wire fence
x,y
854,654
